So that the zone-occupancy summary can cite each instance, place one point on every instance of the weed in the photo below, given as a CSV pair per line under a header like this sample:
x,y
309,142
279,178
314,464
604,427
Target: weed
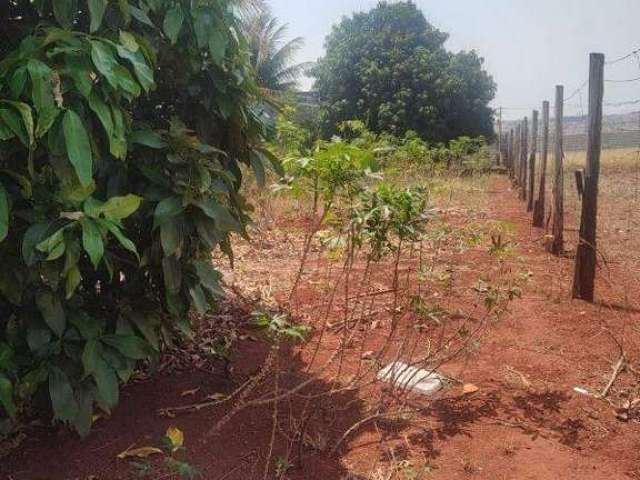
x,y
277,326
427,311
172,448
499,247
282,467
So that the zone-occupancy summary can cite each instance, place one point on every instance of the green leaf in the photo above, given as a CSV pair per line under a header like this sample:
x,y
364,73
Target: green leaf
x,y
167,209
107,383
42,95
140,16
148,138
92,241
276,164
18,81
4,213
103,112
172,274
33,379
46,119
225,222
258,169
84,418
27,121
199,300
78,147
126,81
12,122
73,280
5,132
207,231
23,181
202,23
104,60
218,41
116,232
209,277
173,23
124,10
91,355
171,236
96,10
116,208
88,326
53,245
65,11
143,72
147,325
130,346
65,407
119,145
6,396
129,41
38,336
52,312
80,69
74,250
32,237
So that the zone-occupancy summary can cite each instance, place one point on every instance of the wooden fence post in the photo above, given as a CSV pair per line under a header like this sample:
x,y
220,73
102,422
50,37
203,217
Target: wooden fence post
x,y
511,146
585,272
532,160
556,246
539,208
500,139
516,156
524,150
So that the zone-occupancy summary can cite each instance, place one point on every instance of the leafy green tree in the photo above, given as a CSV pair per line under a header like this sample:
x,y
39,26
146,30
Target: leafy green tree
x,y
389,68
123,126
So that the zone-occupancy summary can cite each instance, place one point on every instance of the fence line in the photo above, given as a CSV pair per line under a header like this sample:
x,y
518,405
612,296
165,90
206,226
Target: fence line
x,y
571,140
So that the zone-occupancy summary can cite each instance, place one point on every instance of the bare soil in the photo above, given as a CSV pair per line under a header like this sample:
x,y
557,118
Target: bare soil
x,y
526,421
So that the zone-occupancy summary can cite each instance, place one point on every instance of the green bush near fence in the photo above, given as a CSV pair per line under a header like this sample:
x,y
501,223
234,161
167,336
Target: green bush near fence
x,y
122,129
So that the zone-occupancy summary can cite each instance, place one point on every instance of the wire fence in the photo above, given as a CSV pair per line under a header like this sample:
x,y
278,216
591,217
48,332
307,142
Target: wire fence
x,y
618,200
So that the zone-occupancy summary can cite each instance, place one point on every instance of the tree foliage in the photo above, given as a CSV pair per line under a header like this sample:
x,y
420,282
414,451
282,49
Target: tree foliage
x,y
271,55
389,68
123,125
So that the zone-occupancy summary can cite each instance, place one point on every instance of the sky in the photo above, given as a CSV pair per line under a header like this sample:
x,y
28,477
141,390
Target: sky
x,y
528,47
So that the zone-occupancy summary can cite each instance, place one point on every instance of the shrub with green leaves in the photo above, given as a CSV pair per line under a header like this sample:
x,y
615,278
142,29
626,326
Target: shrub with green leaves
x,y
123,125
386,215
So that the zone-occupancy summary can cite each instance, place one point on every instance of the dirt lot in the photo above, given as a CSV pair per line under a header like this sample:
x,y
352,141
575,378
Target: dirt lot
x,y
510,410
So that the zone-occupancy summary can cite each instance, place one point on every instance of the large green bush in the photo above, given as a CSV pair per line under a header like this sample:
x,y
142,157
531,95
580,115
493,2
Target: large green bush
x,y
123,125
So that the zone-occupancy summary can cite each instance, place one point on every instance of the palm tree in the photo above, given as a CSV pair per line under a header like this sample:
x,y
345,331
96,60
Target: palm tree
x,y
271,55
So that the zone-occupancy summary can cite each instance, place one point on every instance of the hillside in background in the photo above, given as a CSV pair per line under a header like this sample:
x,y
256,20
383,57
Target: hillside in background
x,y
618,131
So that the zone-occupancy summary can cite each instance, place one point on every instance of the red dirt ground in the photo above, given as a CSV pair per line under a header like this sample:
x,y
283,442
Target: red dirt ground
x,y
526,421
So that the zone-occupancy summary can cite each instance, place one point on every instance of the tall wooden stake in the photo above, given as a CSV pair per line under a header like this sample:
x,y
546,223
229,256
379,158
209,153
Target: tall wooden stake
x,y
556,246
532,160
524,150
516,156
511,147
585,272
539,208
500,139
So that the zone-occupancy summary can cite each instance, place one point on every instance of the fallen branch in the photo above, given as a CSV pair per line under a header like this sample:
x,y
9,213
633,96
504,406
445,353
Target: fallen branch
x,y
196,407
616,373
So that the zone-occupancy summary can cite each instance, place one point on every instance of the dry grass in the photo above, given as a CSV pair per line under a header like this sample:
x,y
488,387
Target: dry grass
x,y
618,217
